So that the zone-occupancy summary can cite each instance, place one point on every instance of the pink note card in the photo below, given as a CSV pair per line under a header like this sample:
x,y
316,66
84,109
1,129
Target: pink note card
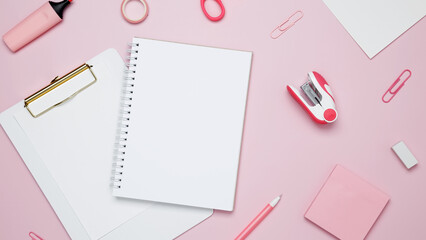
x,y
347,206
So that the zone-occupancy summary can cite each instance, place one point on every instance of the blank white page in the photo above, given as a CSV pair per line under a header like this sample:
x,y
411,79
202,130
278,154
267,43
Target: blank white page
x,y
374,24
186,123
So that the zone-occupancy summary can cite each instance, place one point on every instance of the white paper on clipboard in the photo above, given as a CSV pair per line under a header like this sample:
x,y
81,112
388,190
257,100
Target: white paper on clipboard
x,y
69,152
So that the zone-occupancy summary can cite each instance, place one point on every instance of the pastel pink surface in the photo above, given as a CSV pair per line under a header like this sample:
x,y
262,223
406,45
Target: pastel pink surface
x,y
347,206
283,150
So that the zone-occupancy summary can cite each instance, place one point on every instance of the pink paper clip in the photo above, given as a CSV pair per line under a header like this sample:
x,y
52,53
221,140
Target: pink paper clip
x,y
287,24
35,236
391,90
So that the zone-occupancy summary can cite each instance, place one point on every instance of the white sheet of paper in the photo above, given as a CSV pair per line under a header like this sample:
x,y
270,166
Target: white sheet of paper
x,y
374,24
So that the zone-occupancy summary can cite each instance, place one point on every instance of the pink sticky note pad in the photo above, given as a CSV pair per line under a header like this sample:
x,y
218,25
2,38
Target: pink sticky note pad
x,y
347,206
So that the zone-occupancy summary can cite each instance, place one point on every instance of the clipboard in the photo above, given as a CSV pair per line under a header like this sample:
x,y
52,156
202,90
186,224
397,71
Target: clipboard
x,y
55,93
143,220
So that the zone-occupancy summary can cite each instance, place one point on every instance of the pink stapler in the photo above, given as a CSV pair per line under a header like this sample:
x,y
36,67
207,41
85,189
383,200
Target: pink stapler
x,y
321,107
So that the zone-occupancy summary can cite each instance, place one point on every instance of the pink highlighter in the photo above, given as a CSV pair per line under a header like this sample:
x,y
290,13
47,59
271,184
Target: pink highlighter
x,y
35,24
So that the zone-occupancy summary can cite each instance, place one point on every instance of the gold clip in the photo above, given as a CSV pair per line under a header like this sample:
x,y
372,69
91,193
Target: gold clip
x,y
56,82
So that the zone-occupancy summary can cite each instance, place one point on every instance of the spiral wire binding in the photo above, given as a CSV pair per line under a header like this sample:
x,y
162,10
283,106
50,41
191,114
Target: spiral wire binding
x,y
124,120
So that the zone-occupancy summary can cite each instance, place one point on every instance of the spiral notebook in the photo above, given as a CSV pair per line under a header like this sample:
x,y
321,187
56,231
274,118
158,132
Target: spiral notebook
x,y
183,116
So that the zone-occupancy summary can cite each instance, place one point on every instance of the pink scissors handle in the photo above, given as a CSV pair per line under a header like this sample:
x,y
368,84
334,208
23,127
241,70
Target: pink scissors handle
x,y
214,19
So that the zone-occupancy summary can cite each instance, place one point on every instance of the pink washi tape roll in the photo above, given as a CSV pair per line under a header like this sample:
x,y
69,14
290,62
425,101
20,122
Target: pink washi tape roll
x,y
130,20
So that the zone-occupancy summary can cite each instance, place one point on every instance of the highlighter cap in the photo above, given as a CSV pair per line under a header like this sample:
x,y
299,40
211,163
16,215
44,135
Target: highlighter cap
x,y
59,7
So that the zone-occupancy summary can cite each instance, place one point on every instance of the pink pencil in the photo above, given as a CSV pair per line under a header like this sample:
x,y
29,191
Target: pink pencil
x,y
259,218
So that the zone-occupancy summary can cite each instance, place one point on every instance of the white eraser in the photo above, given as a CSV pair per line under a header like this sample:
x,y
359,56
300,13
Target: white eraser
x,y
404,154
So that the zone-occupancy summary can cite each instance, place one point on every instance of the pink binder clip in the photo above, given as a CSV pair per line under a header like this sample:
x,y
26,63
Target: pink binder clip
x,y
391,90
287,24
35,236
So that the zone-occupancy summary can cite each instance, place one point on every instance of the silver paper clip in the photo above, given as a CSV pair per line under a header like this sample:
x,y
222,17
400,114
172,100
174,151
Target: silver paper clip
x,y
287,24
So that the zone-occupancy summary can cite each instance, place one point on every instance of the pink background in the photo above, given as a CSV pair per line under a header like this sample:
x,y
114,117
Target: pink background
x,y
283,150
